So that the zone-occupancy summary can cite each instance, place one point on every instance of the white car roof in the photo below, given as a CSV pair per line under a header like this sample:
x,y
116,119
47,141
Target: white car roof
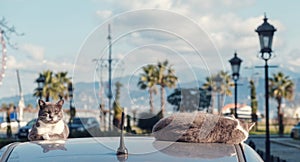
x,y
104,149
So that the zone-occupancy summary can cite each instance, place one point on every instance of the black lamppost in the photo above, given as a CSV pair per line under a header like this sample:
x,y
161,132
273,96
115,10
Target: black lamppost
x,y
72,107
265,32
40,81
235,66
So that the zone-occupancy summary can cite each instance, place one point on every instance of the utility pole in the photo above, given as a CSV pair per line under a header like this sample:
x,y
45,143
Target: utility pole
x,y
109,95
100,65
21,102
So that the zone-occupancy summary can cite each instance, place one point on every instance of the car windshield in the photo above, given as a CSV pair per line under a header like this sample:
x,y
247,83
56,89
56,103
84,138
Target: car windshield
x,y
79,121
31,123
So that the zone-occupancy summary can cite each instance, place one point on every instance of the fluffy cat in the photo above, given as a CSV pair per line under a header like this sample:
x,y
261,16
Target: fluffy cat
x,y
201,128
49,124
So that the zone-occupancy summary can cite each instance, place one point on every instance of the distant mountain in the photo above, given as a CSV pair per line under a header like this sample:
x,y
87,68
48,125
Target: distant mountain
x,y
29,99
88,96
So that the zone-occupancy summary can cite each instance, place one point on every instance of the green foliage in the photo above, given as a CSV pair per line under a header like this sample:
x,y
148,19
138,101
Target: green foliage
x,y
189,99
166,75
253,97
161,74
116,106
4,106
205,98
175,98
148,81
117,110
254,104
166,78
55,85
223,87
148,120
281,87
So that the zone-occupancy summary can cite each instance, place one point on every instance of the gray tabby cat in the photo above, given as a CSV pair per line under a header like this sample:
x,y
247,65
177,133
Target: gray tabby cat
x,y
49,124
202,128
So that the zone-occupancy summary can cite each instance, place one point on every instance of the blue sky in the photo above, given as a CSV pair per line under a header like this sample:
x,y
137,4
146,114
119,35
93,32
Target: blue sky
x,y
65,35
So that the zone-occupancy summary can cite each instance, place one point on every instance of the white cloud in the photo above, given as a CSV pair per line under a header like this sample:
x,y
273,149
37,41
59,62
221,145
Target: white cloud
x,y
34,52
219,27
12,62
183,6
104,14
227,29
292,59
215,20
142,4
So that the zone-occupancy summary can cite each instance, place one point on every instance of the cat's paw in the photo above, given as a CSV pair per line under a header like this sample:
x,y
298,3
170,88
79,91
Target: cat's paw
x,y
46,137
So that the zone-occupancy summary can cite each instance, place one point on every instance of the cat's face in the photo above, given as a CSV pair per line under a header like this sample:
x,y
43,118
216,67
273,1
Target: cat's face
x,y
242,131
50,112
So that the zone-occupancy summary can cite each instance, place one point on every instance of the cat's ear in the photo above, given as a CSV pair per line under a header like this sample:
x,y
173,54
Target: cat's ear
x,y
60,102
41,103
250,125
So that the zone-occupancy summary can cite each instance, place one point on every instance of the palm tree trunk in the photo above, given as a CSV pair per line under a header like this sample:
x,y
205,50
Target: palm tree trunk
x,y
221,104
280,117
151,100
47,97
212,103
162,99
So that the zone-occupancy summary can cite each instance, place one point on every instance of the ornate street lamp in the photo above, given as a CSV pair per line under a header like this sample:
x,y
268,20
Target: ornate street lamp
x,y
72,107
40,81
265,33
235,66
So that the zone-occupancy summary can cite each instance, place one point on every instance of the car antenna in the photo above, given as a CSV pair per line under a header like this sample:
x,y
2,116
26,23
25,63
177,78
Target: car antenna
x,y
122,152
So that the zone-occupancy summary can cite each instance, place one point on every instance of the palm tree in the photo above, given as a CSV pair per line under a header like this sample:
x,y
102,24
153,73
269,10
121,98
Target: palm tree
x,y
281,87
225,88
148,81
165,78
48,88
210,85
54,86
62,81
253,103
117,107
222,88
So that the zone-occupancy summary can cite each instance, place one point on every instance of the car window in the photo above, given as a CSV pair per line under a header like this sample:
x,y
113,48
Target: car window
x,y
95,122
80,120
76,121
31,123
89,122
